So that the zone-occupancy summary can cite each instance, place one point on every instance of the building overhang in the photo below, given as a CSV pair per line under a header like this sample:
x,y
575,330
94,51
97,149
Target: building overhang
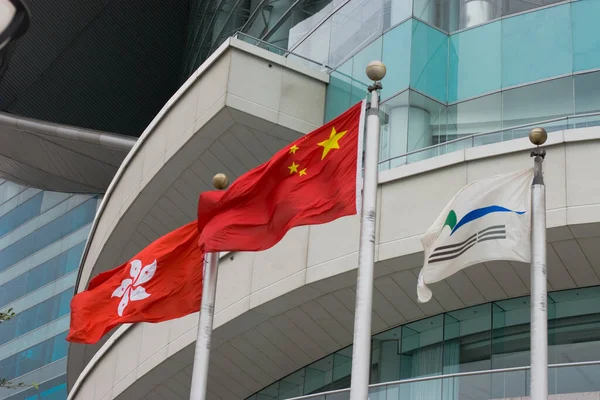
x,y
56,157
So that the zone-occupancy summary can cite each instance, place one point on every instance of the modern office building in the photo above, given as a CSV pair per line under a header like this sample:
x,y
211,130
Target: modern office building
x,y
466,81
42,236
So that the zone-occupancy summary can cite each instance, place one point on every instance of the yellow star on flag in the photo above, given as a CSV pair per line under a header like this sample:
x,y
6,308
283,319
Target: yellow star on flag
x,y
302,172
293,168
332,142
293,149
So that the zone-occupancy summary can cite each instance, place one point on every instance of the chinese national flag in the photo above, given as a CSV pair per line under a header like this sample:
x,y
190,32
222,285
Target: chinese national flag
x,y
311,181
162,282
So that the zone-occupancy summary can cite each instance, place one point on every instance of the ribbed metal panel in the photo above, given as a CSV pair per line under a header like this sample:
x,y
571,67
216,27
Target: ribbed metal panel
x,y
108,65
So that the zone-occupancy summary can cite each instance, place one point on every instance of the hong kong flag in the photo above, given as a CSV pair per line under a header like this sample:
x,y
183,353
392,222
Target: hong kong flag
x,y
311,181
161,282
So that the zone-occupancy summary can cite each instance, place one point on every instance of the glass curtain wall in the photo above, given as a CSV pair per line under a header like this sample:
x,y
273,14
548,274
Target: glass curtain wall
x,y
42,237
489,336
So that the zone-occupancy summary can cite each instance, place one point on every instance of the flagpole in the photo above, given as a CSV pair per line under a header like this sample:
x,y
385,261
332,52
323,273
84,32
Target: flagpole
x,y
539,309
207,310
361,351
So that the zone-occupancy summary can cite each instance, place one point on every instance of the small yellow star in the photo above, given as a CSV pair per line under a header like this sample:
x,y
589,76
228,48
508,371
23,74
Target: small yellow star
x,y
332,142
302,172
293,168
293,149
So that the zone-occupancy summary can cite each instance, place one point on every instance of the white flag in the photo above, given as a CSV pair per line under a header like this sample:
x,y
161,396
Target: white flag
x,y
487,220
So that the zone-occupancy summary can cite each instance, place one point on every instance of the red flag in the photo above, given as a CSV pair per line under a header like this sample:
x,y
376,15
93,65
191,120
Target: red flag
x,y
311,181
162,282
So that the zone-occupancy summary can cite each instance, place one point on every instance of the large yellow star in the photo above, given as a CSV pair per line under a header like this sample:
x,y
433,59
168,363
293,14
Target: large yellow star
x,y
332,142
293,168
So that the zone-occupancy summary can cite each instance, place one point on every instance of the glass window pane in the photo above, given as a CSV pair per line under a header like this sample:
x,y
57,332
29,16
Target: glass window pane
x,y
426,126
475,59
342,367
510,338
587,93
359,66
353,26
339,91
394,130
422,347
316,46
517,6
434,12
298,22
429,61
396,57
23,213
539,102
292,385
475,116
49,233
395,11
586,51
318,375
305,17
537,45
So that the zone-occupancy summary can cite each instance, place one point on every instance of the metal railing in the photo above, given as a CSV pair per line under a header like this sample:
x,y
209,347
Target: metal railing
x,y
510,382
280,51
496,136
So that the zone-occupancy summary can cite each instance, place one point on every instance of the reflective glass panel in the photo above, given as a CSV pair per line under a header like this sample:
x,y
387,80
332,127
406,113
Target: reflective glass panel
x,y
316,46
298,22
537,45
539,102
586,46
394,130
587,99
23,213
429,61
339,91
34,357
396,57
359,66
353,26
41,275
474,64
426,126
516,6
36,316
479,115
318,376
395,11
49,233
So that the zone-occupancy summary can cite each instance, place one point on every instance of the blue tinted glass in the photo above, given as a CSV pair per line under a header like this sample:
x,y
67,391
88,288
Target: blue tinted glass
x,y
429,61
359,66
23,213
47,234
537,45
475,59
396,57
41,275
339,91
587,93
36,316
34,357
586,30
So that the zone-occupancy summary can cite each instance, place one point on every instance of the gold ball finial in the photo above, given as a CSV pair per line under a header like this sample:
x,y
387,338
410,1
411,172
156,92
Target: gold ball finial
x,y
376,70
538,136
220,181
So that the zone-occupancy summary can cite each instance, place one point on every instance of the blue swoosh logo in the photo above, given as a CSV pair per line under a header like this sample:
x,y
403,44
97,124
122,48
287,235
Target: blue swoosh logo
x,y
481,212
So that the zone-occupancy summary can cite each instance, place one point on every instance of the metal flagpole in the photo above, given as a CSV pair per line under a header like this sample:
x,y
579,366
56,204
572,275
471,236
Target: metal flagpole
x,y
539,309
207,310
361,351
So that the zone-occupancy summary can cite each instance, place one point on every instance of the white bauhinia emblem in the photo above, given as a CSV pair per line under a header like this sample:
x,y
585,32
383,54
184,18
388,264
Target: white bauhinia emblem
x,y
131,289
